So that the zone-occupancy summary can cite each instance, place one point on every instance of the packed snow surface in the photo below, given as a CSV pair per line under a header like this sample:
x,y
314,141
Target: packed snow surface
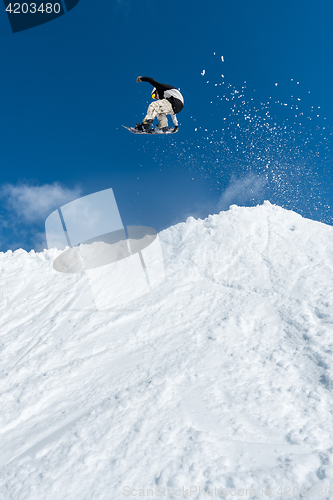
x,y
218,383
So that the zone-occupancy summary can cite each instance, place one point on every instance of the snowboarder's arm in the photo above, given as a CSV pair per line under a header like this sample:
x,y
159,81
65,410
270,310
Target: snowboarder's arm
x,y
147,79
175,121
161,87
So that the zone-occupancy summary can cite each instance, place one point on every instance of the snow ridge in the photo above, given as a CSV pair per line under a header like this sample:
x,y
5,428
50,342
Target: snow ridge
x,y
219,379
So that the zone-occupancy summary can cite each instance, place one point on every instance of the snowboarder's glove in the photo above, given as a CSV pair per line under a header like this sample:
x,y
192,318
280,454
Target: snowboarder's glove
x,y
139,79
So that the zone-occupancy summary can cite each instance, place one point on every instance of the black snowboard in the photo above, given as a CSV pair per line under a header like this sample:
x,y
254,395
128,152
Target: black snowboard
x,y
170,130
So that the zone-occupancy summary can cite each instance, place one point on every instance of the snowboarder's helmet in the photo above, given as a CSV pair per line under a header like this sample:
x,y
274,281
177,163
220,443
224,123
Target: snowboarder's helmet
x,y
154,93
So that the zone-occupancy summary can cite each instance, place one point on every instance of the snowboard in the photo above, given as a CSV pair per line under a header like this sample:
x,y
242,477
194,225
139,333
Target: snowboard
x,y
170,130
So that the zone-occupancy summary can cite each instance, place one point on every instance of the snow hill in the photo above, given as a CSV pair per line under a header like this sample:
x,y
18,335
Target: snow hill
x,y
218,383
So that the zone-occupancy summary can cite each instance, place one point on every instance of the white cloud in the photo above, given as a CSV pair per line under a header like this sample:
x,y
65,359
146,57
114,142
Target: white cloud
x,y
241,191
38,241
35,203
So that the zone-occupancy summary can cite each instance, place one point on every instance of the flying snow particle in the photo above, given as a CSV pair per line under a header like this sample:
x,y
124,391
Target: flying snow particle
x,y
222,58
203,73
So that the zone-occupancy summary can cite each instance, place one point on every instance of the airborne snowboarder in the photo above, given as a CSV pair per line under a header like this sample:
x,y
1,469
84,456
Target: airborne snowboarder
x,y
167,101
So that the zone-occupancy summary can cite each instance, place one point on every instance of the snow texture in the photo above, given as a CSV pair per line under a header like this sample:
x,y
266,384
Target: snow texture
x,y
219,379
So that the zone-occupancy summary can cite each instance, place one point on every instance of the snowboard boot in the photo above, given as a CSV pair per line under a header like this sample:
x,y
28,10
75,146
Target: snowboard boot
x,y
139,126
146,125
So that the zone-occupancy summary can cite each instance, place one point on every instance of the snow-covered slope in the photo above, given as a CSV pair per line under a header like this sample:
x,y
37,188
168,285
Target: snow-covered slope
x,y
220,378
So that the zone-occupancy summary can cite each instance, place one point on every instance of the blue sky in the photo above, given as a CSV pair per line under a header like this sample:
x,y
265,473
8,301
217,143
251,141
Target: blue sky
x,y
257,125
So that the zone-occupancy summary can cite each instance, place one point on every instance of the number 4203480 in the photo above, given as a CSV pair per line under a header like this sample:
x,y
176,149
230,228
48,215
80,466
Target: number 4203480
x,y
32,8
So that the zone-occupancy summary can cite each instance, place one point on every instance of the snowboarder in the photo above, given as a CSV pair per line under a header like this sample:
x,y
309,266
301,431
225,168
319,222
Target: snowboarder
x,y
168,101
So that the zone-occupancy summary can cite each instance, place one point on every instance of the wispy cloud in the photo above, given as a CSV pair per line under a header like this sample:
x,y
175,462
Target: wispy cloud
x,y
23,210
35,203
242,191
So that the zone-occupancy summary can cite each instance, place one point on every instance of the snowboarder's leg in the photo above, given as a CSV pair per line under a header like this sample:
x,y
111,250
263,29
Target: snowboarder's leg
x,y
159,108
152,112
162,121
